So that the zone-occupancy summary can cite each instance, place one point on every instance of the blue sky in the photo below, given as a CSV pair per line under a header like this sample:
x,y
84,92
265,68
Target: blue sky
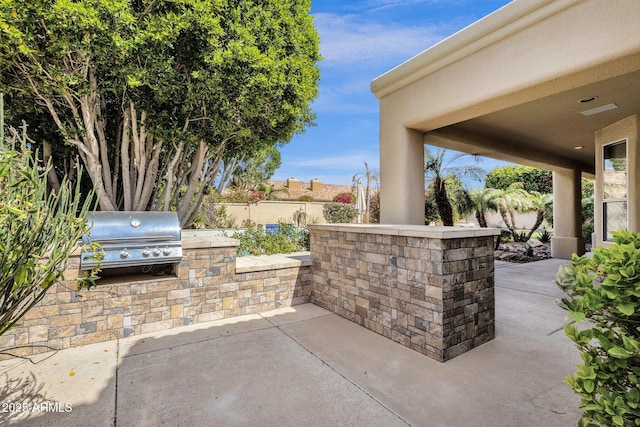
x,y
359,40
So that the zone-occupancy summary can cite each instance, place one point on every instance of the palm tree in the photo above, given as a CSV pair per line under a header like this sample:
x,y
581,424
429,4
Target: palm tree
x,y
269,192
540,203
515,199
510,201
485,200
439,174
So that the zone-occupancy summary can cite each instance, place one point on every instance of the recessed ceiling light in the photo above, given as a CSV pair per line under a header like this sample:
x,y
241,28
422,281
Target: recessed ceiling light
x,y
578,147
588,99
600,109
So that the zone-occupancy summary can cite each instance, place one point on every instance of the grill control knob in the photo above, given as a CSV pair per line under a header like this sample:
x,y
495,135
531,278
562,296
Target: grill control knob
x,y
124,254
146,253
166,252
156,252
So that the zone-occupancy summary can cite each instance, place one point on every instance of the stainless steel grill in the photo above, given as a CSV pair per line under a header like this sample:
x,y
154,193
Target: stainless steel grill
x,y
133,239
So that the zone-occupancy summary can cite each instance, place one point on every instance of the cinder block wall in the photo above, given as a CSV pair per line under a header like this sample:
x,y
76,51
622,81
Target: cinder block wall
x,y
206,288
432,294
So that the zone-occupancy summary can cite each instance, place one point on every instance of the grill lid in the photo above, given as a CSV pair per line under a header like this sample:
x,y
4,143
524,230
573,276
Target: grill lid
x,y
133,238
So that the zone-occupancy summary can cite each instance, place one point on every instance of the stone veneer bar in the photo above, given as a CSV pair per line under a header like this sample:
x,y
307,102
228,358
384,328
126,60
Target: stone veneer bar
x,y
428,288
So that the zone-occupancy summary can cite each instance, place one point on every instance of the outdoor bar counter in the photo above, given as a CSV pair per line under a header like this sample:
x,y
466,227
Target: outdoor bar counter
x,y
428,288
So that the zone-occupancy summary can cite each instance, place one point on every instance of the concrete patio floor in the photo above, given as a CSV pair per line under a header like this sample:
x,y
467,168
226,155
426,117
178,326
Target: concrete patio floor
x,y
306,366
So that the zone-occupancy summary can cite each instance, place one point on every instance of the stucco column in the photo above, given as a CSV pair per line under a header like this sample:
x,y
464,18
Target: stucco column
x,y
567,216
401,175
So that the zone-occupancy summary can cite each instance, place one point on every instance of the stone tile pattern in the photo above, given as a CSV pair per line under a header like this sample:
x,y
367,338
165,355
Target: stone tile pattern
x,y
435,296
206,288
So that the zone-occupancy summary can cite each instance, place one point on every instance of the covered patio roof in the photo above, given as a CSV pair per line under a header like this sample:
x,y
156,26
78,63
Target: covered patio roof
x,y
510,86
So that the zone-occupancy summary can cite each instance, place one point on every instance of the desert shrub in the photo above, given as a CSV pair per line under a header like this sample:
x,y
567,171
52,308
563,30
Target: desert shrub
x,y
305,198
339,212
38,229
247,223
285,239
605,290
345,198
374,208
532,179
213,214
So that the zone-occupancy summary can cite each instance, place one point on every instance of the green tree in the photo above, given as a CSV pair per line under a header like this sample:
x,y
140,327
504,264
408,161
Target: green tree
x,y
430,209
532,179
256,169
440,174
154,95
38,230
587,209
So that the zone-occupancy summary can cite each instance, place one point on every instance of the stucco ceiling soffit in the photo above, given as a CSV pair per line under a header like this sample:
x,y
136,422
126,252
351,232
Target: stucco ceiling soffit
x,y
503,149
619,75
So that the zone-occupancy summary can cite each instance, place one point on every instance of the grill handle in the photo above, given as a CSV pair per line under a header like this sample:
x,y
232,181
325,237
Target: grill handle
x,y
139,240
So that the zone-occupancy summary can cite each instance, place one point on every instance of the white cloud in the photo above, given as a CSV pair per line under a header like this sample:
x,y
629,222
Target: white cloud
x,y
334,100
350,161
385,4
352,40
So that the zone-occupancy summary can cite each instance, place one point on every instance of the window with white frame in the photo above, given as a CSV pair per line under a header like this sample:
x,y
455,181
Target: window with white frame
x,y
614,188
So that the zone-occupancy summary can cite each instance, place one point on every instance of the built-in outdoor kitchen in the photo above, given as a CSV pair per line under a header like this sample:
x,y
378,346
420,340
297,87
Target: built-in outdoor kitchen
x,y
428,288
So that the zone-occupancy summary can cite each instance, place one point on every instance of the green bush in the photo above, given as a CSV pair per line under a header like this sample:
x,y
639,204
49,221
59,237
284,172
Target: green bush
x,y
285,239
339,212
606,291
430,208
305,198
532,179
587,217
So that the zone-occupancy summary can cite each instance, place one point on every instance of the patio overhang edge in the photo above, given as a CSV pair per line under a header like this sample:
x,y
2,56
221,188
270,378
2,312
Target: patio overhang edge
x,y
506,21
457,139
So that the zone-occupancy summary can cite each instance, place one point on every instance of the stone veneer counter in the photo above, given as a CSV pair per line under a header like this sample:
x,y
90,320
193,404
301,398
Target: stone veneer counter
x,y
428,288
209,283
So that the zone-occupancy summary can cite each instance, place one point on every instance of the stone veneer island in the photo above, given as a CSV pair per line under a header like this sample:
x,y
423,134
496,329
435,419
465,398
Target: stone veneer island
x,y
428,288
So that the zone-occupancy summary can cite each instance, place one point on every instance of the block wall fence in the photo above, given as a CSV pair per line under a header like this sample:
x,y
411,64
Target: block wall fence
x,y
428,288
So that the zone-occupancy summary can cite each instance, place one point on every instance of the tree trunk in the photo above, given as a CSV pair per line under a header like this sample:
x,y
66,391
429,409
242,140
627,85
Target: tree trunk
x,y
47,156
482,220
508,219
539,219
442,201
